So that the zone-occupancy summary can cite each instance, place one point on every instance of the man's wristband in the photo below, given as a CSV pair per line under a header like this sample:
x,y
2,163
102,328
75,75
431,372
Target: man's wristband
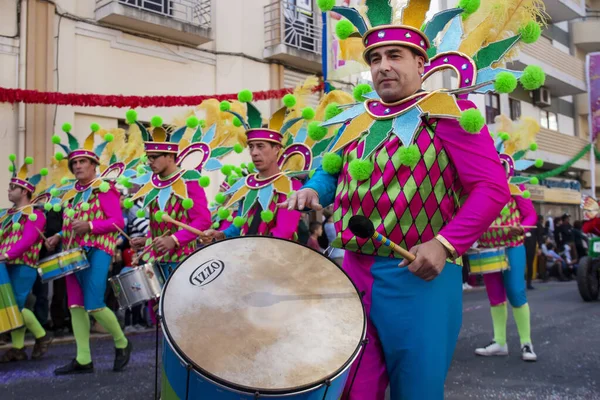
x,y
448,246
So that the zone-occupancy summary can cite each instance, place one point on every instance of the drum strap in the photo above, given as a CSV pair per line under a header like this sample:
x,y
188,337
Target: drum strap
x,y
253,229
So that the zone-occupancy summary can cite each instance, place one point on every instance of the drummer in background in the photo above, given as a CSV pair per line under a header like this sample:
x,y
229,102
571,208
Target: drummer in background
x,y
20,245
94,228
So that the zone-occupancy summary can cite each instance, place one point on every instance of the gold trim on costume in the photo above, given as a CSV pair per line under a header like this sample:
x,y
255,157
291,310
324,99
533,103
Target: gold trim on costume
x,y
447,245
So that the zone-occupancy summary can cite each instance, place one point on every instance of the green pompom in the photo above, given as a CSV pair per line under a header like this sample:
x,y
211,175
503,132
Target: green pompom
x,y
156,121
56,208
472,121
470,6
533,77
140,213
202,123
289,100
54,192
104,187
410,155
11,168
12,157
539,163
225,106
64,180
55,139
343,29
94,127
360,91
157,216
530,32
59,156
267,216
204,181
243,165
245,96
85,206
220,198
44,172
505,211
332,110
533,146
226,169
238,148
251,167
308,113
534,181
215,225
140,170
316,132
326,5
238,171
332,163
236,122
505,82
109,137
131,116
187,203
128,204
238,222
16,226
123,180
70,213
192,122
32,217
231,180
223,213
66,127
28,160
47,206
144,159
504,136
230,218
360,170
526,194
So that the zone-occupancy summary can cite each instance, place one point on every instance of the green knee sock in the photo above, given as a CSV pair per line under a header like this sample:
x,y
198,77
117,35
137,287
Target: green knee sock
x,y
109,321
523,321
18,338
81,330
33,324
499,317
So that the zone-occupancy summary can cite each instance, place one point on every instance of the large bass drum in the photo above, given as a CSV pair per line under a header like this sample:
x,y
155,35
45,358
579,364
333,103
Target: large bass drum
x,y
258,317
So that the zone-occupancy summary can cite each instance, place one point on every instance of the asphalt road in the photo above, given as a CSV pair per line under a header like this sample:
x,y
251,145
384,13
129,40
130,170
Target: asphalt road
x,y
565,331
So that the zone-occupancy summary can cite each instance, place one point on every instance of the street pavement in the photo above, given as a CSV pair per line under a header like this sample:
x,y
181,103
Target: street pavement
x,y
565,331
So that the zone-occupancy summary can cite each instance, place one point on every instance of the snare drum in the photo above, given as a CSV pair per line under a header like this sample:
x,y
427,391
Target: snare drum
x,y
485,261
137,285
62,264
260,317
10,315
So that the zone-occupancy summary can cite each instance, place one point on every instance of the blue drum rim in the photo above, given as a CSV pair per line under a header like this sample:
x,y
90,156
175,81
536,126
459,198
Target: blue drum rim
x,y
249,390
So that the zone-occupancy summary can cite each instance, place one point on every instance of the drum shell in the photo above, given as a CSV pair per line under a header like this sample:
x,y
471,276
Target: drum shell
x,y
10,315
485,261
62,264
138,285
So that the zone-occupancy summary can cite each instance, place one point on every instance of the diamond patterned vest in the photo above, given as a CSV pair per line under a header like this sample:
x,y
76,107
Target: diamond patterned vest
x,y
408,205
175,210
263,228
106,242
500,237
11,236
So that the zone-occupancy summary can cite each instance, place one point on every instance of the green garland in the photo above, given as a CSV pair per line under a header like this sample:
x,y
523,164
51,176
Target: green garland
x,y
597,154
568,164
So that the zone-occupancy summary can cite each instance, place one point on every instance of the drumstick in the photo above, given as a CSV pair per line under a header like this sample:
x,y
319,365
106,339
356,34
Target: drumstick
x,y
167,218
363,228
513,226
122,232
146,248
41,234
72,233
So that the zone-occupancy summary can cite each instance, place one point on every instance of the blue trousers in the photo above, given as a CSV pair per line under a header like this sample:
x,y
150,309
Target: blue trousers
x,y
93,280
22,277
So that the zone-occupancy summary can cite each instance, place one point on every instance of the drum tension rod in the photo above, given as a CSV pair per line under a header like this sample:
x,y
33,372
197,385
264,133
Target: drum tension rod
x,y
256,395
328,384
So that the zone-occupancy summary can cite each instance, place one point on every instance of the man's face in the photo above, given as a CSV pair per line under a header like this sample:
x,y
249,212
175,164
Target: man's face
x,y
264,154
396,72
84,169
158,162
15,193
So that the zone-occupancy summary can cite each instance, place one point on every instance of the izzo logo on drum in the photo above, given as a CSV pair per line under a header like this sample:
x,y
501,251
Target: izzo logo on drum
x,y
207,272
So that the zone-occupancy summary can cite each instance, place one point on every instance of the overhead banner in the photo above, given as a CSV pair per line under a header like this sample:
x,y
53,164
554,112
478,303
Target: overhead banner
x,y
593,80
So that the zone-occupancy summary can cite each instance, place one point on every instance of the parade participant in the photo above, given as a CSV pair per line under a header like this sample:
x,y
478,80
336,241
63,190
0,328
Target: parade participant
x,y
402,158
507,232
259,193
168,187
20,244
92,220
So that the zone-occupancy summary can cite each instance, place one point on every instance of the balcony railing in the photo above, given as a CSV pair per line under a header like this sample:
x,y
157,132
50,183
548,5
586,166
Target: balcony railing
x,y
293,26
192,12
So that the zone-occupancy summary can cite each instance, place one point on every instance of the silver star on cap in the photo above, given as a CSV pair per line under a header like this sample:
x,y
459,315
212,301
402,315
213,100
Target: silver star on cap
x,y
381,35
408,35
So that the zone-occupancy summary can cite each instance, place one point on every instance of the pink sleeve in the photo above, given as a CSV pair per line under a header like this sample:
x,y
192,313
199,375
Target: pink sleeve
x,y
286,221
481,176
110,202
528,214
199,215
31,234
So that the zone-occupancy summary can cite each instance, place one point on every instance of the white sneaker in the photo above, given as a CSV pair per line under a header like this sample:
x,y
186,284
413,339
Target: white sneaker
x,y
527,353
466,286
492,349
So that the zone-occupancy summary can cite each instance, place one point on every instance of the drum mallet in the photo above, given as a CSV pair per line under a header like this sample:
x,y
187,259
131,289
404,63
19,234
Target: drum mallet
x,y
363,228
167,218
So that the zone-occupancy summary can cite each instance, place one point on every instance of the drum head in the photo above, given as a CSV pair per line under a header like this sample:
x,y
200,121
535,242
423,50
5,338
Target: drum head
x,y
263,314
